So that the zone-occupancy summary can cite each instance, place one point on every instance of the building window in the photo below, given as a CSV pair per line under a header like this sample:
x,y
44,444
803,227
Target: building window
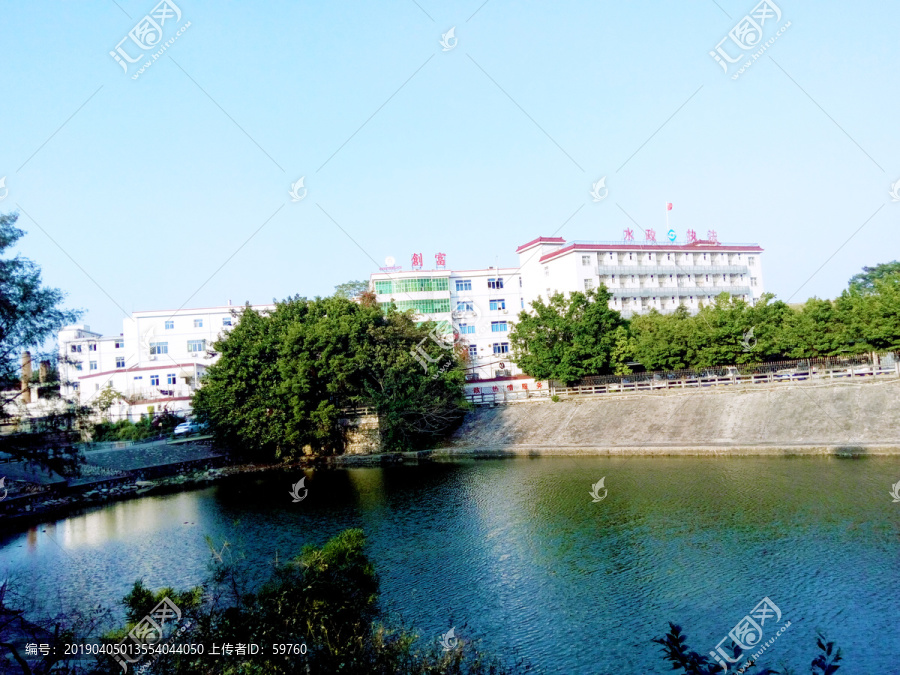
x,y
547,271
92,347
78,365
76,385
198,323
138,377
154,380
463,285
159,347
585,260
465,306
753,281
170,325
751,260
473,351
629,256
466,329
520,282
120,344
495,283
497,304
668,256
76,348
588,284
170,378
120,362
522,302
501,347
93,365
196,345
498,327
226,320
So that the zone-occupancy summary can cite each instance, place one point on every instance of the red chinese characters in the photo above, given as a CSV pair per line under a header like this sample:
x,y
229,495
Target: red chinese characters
x,y
691,236
629,234
417,260
440,260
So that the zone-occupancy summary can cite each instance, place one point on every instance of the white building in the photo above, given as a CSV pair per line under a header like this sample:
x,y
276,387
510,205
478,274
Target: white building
x,y
155,363
483,304
642,276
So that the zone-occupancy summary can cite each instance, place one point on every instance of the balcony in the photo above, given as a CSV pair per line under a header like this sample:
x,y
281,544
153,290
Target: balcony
x,y
680,291
670,268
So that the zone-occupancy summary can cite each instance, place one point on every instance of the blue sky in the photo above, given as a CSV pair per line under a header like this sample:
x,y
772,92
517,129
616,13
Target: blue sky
x,y
150,188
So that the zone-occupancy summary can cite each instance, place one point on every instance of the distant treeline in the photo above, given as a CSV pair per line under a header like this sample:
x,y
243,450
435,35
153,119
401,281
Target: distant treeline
x,y
567,338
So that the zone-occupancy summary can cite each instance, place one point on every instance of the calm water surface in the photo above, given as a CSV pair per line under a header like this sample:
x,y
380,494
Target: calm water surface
x,y
514,551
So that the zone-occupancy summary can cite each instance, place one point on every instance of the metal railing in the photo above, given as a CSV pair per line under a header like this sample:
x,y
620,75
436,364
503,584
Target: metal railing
x,y
801,370
668,268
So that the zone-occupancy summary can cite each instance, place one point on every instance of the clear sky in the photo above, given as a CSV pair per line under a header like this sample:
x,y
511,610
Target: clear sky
x,y
172,188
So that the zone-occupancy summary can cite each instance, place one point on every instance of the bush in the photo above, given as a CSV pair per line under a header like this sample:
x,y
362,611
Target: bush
x,y
554,398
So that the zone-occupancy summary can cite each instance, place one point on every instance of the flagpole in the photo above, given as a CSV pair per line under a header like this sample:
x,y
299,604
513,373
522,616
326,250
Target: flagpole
x,y
667,219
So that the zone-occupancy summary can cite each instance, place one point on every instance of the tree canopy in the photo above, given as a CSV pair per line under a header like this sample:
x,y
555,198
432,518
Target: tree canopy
x,y
285,378
30,313
567,338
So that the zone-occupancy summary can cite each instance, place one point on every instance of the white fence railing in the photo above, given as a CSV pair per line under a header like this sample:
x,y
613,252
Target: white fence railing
x,y
870,366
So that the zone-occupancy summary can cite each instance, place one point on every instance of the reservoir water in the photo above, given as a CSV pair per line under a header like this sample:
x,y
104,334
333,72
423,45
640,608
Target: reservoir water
x,y
516,551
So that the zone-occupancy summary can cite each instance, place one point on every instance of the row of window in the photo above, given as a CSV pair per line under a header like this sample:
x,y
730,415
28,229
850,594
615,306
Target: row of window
x,y
163,347
441,305
496,327
92,346
589,259
154,379
493,283
198,323
389,287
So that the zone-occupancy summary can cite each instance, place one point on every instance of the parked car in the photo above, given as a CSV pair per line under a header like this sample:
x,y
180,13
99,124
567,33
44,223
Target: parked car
x,y
186,428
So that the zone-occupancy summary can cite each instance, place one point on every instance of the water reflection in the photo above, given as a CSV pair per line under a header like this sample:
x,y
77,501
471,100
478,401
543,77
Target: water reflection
x,y
517,552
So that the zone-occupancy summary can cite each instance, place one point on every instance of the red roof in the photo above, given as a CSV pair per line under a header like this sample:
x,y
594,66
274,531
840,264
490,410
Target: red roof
x,y
541,240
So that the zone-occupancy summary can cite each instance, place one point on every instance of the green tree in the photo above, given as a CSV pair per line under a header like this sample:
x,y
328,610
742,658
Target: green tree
x,y
815,330
871,317
326,599
30,313
286,378
567,338
864,282
351,289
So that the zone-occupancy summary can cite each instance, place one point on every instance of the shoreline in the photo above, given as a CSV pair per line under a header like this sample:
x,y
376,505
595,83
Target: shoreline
x,y
55,508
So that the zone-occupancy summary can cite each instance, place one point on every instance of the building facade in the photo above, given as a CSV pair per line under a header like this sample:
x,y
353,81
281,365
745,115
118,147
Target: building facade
x,y
482,305
645,276
155,363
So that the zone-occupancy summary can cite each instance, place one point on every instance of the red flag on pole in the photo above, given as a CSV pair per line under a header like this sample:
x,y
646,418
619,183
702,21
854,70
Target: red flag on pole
x,y
668,206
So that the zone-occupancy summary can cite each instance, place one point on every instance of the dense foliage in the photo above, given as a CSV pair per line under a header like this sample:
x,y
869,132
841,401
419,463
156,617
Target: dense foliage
x,y
30,313
146,427
285,379
568,338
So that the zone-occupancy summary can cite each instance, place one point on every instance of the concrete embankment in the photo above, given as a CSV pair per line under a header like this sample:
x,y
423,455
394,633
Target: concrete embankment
x,y
847,419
